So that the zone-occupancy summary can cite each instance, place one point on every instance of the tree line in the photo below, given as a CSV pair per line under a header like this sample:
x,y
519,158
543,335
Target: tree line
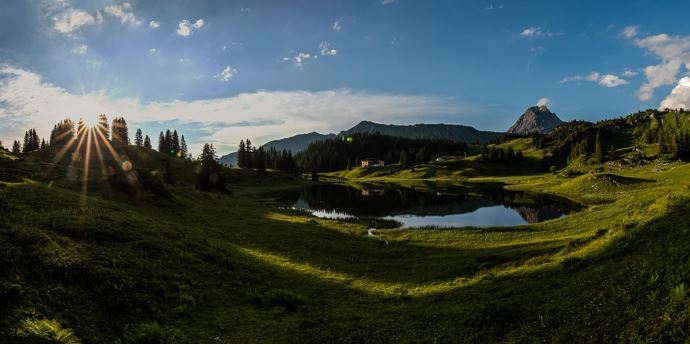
x,y
250,157
116,131
345,152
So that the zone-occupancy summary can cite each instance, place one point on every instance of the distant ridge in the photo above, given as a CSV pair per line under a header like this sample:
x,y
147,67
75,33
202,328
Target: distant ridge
x,y
536,119
452,132
295,144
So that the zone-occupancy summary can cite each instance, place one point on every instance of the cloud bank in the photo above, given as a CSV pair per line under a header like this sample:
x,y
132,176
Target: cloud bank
x,y
27,101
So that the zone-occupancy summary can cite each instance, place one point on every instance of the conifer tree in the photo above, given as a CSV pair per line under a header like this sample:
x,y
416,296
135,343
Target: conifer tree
x,y
175,144
168,143
599,150
183,147
161,143
241,151
62,133
248,154
103,126
260,158
120,131
16,147
138,138
81,128
147,142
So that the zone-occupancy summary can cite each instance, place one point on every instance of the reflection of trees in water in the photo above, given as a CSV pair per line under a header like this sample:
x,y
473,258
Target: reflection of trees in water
x,y
401,200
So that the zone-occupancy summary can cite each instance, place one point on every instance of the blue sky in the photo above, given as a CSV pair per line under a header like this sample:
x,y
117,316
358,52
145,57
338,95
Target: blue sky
x,y
219,71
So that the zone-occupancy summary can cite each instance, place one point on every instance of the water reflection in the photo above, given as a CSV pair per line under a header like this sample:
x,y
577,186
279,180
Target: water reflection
x,y
442,207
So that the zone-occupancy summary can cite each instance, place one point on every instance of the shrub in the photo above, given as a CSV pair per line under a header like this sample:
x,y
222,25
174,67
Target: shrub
x,y
574,263
45,331
152,333
284,298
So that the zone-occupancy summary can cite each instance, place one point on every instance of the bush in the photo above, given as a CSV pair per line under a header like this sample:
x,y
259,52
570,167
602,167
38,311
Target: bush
x,y
152,333
283,298
45,331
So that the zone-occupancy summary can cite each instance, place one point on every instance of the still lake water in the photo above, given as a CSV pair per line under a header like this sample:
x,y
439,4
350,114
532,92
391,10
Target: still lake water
x,y
442,207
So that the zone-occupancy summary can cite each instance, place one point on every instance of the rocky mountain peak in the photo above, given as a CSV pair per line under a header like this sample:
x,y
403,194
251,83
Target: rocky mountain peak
x,y
536,119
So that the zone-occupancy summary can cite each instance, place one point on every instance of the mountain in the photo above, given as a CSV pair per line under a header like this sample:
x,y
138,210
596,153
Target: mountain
x,y
536,119
295,144
450,132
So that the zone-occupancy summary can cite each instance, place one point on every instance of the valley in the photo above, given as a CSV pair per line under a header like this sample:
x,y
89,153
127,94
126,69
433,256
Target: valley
x,y
183,265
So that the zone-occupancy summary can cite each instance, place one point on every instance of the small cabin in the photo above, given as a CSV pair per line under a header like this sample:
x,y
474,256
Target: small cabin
x,y
366,163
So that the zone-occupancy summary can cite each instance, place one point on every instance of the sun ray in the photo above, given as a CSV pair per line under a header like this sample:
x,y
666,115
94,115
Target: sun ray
x,y
87,163
110,149
99,152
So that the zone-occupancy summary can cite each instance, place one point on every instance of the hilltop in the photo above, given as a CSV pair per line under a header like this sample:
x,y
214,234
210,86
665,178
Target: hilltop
x,y
451,132
536,119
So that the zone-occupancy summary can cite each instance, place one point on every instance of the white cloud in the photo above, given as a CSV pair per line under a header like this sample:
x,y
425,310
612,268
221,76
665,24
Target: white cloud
x,y
72,20
673,51
336,26
80,50
326,50
124,13
226,74
629,73
387,2
154,24
608,80
185,28
153,51
494,7
27,101
537,32
543,102
630,31
679,96
298,59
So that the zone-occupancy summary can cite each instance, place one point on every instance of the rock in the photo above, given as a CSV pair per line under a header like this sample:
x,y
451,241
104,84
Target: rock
x,y
536,119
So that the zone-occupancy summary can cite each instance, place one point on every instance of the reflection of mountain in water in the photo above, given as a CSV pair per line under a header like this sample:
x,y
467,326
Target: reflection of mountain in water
x,y
391,201
534,215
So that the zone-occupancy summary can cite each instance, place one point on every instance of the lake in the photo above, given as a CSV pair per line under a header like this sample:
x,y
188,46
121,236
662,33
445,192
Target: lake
x,y
485,206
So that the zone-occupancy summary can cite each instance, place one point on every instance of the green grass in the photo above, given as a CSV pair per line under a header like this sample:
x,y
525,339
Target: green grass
x,y
205,267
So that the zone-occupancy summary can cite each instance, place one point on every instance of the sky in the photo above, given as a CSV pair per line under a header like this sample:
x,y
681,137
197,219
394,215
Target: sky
x,y
220,71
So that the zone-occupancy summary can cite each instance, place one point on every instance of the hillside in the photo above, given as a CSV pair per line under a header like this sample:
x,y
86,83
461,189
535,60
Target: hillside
x,y
450,132
167,263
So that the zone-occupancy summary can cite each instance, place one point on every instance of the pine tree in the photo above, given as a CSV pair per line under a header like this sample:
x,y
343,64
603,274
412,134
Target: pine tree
x,y
103,126
248,154
175,144
260,163
208,153
241,153
183,147
120,131
138,138
43,144
81,129
662,144
599,150
168,143
403,159
147,142
31,141
62,133
16,147
161,143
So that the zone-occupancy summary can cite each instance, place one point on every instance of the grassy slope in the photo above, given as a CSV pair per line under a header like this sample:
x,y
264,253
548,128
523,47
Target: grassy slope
x,y
228,268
